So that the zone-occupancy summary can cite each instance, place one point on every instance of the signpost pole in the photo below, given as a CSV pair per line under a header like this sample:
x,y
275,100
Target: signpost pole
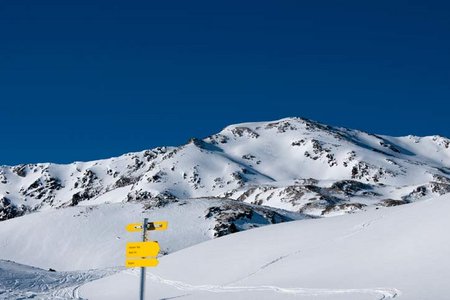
x,y
143,254
144,238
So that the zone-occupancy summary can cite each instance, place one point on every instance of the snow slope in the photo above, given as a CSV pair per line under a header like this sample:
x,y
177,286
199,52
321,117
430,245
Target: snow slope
x,y
87,237
399,252
23,282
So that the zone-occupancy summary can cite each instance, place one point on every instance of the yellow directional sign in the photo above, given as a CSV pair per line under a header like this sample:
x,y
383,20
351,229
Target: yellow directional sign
x,y
157,225
142,249
134,227
147,262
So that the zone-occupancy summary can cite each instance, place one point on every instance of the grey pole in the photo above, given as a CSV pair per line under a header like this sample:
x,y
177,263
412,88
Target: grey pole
x,y
144,238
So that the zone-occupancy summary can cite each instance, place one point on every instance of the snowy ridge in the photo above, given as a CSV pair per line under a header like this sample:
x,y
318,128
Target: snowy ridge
x,y
294,164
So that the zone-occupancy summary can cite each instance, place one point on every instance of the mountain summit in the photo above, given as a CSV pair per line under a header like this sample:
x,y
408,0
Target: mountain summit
x,y
294,164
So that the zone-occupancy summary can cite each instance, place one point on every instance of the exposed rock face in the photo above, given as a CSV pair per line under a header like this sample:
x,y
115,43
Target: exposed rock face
x,y
350,187
125,181
8,210
432,188
236,217
244,131
347,207
294,164
391,202
20,170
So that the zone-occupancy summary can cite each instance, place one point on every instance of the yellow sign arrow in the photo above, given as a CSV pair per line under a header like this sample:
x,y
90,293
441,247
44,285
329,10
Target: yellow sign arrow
x,y
134,227
157,225
147,262
142,249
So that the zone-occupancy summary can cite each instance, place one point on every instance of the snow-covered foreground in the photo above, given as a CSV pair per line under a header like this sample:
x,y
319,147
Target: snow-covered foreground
x,y
398,252
23,282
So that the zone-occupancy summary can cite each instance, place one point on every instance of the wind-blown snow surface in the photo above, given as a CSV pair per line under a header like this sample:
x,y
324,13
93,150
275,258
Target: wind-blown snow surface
x,y
379,254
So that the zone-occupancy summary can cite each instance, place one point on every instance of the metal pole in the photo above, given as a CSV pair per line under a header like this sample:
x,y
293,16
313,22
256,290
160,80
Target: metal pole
x,y
144,238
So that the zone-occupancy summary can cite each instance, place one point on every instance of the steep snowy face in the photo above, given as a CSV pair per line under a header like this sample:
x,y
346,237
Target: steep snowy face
x,y
294,164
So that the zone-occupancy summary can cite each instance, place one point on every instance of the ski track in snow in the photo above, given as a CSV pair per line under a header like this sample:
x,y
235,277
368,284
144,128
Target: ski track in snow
x,y
72,291
359,228
264,267
383,293
34,283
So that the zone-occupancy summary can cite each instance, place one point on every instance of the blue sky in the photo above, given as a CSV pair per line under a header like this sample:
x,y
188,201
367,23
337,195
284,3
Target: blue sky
x,y
83,80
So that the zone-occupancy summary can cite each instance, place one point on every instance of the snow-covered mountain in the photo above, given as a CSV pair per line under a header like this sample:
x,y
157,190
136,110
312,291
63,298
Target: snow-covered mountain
x,y
72,217
293,164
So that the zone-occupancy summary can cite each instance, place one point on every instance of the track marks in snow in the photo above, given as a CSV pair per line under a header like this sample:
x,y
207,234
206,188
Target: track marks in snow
x,y
359,228
24,282
264,267
382,293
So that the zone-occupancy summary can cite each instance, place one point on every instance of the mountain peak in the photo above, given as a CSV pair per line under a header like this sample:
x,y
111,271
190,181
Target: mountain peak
x,y
292,163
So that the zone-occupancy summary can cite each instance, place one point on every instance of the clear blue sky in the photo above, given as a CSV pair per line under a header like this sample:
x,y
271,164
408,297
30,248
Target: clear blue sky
x,y
82,80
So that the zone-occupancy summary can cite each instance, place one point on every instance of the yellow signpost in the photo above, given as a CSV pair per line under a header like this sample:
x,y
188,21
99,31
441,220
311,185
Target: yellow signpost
x,y
142,249
143,254
147,262
157,225
134,227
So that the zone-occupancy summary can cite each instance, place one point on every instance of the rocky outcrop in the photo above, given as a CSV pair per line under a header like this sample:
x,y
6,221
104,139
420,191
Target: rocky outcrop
x,y
8,210
234,217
